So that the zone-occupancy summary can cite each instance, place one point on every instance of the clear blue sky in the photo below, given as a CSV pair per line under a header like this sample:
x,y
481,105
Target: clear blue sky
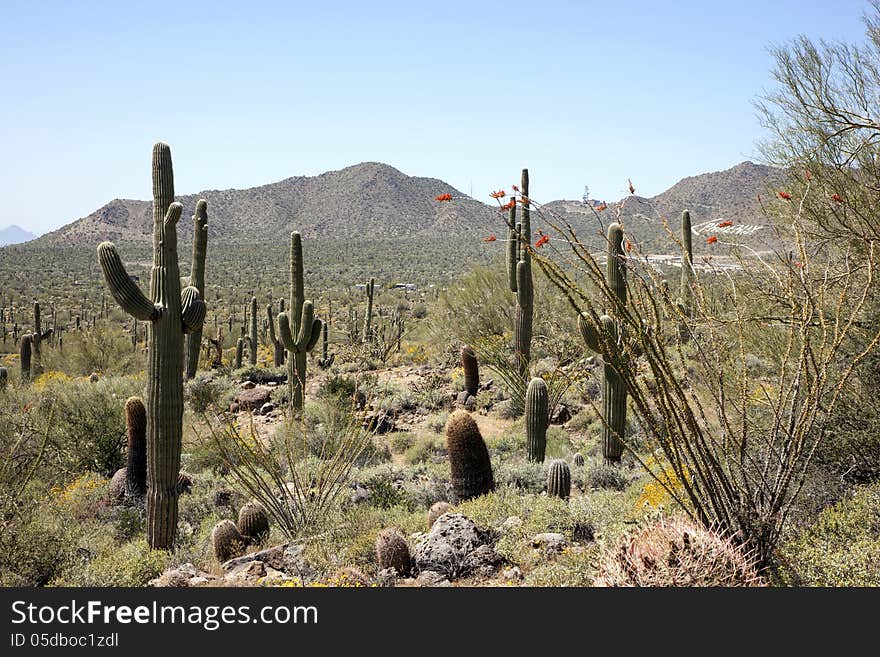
x,y
470,92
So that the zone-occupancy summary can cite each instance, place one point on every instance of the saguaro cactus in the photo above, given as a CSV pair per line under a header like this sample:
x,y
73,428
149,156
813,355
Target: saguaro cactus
x,y
254,341
326,360
277,346
170,313
300,330
136,466
537,419
605,339
522,328
36,344
4,377
239,352
471,368
197,280
368,321
24,357
686,292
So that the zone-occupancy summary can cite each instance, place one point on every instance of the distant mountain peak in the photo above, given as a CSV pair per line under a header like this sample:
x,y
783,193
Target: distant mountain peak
x,y
15,235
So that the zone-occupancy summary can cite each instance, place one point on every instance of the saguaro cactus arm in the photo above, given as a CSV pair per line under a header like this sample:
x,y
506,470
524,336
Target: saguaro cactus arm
x,y
124,290
192,309
309,332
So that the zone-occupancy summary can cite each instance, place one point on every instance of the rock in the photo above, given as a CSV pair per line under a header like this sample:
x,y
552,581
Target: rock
x,y
246,573
198,581
561,415
462,397
451,539
512,574
267,408
387,577
285,557
273,576
549,541
483,562
432,578
252,398
222,497
488,384
116,491
437,510
359,494
513,522
181,576
379,423
248,385
234,407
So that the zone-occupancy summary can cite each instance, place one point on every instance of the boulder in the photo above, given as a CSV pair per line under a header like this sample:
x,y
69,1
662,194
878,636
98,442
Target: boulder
x,y
445,548
252,399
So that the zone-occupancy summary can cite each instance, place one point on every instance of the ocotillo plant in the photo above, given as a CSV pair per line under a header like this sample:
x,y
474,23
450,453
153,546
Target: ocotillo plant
x,y
537,419
254,341
614,393
277,347
197,280
686,292
301,330
368,320
171,313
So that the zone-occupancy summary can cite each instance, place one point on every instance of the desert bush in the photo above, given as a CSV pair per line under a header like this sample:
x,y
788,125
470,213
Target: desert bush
x,y
104,348
204,393
841,547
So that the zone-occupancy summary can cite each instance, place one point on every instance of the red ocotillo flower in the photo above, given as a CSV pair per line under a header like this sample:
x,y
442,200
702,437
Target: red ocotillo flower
x,y
725,224
444,197
837,198
509,204
629,246
808,175
785,196
499,194
541,242
491,238
514,188
711,240
603,206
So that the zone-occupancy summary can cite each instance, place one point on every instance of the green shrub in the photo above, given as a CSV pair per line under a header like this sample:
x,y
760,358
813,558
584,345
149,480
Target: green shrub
x,y
841,547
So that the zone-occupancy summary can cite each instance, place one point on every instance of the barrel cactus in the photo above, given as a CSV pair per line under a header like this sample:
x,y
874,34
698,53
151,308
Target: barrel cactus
x,y
578,459
226,541
136,457
437,509
171,313
559,479
471,469
393,552
299,329
471,370
197,280
253,522
604,338
537,419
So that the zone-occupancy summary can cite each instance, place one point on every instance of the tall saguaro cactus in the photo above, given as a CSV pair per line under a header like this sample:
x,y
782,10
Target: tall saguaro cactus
x,y
252,354
686,291
299,330
171,313
522,328
197,280
277,347
368,320
605,338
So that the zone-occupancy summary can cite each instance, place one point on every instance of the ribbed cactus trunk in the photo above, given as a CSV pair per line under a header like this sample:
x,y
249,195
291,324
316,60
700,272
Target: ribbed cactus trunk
x,y
605,339
136,465
36,344
524,290
686,291
368,320
299,330
197,280
170,313
239,352
277,347
24,357
253,341
537,419
471,367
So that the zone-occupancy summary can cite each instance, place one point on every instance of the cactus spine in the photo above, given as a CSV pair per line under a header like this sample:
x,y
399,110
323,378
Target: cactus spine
x,y
171,313
606,336
537,419
301,331
197,280
469,464
471,368
253,341
24,357
559,479
136,466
